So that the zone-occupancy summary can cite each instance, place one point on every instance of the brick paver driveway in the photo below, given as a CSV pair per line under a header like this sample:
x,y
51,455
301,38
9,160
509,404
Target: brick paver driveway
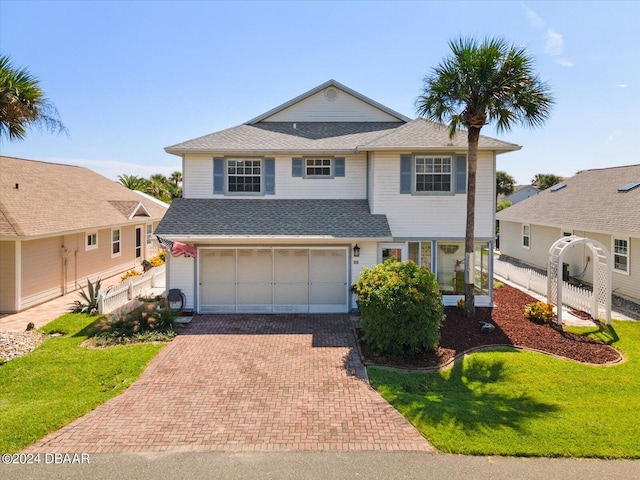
x,y
247,382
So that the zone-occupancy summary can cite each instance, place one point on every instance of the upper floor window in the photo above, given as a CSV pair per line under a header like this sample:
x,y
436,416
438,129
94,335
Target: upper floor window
x,y
317,167
621,255
244,175
115,242
526,236
433,174
91,241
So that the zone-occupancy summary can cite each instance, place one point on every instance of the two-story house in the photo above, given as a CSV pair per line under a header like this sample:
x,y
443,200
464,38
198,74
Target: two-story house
x,y
286,209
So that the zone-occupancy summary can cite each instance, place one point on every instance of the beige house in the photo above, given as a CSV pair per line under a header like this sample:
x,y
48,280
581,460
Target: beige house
x,y
600,204
61,225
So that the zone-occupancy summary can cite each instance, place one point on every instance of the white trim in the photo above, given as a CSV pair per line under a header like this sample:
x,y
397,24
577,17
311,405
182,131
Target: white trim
x,y
305,166
88,234
396,245
118,241
627,255
432,156
142,243
243,159
148,236
523,236
18,276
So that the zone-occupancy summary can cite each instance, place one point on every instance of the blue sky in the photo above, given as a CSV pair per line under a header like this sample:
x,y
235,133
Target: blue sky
x,y
132,77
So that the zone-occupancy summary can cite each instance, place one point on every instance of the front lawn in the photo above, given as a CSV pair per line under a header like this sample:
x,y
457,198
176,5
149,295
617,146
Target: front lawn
x,y
507,402
60,381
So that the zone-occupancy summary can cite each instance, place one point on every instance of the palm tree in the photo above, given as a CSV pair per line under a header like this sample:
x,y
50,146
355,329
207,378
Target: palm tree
x,y
23,104
477,84
505,184
542,181
176,178
132,182
158,186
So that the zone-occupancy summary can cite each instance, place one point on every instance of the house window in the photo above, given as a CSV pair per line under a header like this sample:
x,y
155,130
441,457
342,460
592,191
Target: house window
x,y
621,255
526,236
420,253
149,233
433,174
244,175
115,243
92,241
317,167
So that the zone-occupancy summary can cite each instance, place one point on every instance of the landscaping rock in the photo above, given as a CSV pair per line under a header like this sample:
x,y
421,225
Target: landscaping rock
x,y
13,345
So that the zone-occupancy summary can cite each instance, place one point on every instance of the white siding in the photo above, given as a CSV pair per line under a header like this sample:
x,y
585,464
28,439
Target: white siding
x,y
317,108
181,274
198,180
428,216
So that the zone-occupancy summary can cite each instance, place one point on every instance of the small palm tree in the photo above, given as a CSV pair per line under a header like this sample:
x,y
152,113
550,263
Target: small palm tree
x,y
505,184
477,84
23,104
542,181
132,182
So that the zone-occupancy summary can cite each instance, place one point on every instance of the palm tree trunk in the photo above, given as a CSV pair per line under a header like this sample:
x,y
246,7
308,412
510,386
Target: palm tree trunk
x,y
469,296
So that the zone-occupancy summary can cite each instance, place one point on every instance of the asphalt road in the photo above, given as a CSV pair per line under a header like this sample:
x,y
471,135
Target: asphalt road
x,y
321,465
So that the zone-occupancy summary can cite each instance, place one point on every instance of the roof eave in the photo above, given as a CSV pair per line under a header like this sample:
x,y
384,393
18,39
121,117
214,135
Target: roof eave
x,y
271,238
288,151
440,148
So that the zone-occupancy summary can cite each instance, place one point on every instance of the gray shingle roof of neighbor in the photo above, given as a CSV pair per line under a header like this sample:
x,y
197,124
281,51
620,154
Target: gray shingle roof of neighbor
x,y
51,198
590,201
262,217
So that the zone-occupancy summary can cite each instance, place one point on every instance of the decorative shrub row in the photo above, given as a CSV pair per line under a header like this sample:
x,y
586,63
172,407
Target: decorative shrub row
x,y
401,308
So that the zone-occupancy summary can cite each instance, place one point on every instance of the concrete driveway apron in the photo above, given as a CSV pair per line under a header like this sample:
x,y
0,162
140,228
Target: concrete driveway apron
x,y
247,383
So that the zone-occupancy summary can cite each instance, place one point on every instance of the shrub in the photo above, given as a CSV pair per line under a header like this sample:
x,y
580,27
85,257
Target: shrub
x,y
539,312
129,274
90,297
145,323
157,260
401,308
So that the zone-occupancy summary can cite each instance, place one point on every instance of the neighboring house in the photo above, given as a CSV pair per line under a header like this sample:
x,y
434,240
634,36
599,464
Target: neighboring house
x,y
286,209
601,204
61,225
521,192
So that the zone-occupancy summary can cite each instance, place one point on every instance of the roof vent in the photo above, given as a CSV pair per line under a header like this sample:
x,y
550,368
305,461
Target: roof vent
x,y
331,94
629,186
560,186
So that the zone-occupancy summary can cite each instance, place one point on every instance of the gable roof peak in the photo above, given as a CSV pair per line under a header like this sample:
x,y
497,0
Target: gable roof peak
x,y
321,87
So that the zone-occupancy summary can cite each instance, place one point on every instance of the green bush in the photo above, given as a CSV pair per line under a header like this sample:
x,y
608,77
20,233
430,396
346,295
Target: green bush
x,y
142,324
401,308
539,312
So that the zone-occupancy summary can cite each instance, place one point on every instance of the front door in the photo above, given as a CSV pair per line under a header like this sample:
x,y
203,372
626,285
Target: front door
x,y
392,250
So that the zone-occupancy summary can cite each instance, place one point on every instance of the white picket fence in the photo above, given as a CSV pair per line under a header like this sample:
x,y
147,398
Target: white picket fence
x,y
130,289
573,296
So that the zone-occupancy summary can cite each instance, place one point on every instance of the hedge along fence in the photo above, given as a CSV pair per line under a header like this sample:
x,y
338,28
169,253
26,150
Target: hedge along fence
x,y
401,308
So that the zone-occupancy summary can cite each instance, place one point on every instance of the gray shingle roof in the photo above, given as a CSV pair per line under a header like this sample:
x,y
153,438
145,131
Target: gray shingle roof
x,y
273,217
53,198
336,137
424,134
590,201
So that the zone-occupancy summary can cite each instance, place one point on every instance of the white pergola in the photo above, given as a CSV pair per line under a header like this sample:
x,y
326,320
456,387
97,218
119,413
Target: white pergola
x,y
601,275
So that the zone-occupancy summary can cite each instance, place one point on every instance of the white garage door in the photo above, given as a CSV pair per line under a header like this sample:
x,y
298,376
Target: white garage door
x,y
259,280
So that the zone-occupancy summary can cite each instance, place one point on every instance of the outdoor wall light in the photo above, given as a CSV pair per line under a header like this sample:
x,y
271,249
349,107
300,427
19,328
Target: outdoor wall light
x,y
356,251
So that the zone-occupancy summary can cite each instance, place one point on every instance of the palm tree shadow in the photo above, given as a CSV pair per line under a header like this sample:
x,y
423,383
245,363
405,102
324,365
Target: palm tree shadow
x,y
465,396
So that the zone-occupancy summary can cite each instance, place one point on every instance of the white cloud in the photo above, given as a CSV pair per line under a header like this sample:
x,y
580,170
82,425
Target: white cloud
x,y
534,18
564,62
112,168
622,85
613,136
554,43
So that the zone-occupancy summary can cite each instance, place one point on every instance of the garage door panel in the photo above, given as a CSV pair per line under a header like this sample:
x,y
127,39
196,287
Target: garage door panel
x,y
273,280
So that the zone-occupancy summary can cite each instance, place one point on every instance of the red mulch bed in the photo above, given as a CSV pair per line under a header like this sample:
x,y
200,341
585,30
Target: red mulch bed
x,y
459,335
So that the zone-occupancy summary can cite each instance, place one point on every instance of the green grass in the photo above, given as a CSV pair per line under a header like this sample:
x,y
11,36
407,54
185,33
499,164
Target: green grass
x,y
508,402
60,381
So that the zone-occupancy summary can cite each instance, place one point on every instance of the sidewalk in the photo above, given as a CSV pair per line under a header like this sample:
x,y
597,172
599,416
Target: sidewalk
x,y
44,313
